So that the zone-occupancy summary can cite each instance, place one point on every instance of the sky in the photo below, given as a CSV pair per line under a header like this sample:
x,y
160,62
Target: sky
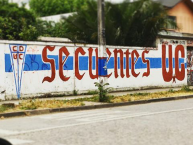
x,y
115,1
26,1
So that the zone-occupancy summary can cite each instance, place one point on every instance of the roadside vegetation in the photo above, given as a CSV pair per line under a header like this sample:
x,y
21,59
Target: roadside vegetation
x,y
184,91
16,23
32,104
148,96
54,7
127,24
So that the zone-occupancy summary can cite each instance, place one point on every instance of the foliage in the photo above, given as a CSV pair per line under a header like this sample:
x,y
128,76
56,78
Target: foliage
x,y
16,23
171,91
4,108
75,92
102,91
53,7
83,24
129,24
49,29
186,89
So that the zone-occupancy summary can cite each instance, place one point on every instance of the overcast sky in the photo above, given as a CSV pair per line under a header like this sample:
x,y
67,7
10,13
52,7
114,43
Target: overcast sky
x,y
26,1
115,1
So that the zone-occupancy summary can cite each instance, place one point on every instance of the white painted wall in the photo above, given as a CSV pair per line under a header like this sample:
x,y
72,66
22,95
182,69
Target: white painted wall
x,y
31,83
2,72
57,18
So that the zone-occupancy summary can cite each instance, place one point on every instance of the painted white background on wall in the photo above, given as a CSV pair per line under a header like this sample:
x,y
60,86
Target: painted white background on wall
x,y
32,80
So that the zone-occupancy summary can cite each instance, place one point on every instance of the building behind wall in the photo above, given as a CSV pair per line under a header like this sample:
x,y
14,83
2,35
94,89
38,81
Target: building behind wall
x,y
180,11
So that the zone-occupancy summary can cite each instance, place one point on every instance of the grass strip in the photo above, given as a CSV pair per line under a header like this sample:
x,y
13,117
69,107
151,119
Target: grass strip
x,y
185,91
32,104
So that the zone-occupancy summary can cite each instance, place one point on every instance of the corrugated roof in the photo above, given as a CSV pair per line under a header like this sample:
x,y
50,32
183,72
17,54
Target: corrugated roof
x,y
169,3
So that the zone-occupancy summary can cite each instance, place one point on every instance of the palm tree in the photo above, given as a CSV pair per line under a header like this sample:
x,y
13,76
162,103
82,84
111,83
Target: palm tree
x,y
127,24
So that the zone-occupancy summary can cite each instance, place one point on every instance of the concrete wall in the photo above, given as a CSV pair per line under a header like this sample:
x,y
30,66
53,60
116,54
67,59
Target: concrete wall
x,y
35,68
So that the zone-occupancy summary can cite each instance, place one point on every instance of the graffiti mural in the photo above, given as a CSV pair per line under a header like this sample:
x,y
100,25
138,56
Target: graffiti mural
x,y
128,60
17,53
62,68
172,42
190,43
190,66
179,72
125,57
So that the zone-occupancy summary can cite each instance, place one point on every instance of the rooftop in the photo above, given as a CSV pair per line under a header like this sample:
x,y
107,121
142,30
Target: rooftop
x,y
169,3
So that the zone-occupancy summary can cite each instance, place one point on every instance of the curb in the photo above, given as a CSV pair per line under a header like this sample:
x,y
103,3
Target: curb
x,y
89,107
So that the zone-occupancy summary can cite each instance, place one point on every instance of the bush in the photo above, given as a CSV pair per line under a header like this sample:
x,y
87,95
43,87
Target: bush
x,y
53,7
16,23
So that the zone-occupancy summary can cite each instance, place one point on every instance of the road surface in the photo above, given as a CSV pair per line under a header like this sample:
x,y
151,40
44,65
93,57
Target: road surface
x,y
163,123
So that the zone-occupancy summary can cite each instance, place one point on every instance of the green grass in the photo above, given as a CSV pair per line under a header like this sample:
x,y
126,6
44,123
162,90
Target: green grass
x,y
92,92
186,89
3,108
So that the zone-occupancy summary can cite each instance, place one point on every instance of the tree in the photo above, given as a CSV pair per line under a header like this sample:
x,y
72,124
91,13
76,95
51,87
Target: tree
x,y
16,23
129,24
52,7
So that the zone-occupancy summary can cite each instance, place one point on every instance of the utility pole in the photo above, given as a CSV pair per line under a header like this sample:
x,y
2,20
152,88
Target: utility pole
x,y
101,26
102,43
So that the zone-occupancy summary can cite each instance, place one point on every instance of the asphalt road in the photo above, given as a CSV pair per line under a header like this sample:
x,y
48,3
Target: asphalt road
x,y
163,123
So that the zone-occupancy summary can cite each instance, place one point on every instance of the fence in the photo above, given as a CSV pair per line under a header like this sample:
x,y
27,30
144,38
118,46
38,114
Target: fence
x,y
36,68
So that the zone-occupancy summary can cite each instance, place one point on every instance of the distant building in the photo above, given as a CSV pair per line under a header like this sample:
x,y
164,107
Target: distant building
x,y
19,2
56,18
180,11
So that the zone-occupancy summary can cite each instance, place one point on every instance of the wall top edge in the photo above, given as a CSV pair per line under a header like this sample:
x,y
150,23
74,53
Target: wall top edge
x,y
71,44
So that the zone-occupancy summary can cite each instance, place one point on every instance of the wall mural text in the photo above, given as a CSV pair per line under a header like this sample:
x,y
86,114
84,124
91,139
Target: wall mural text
x,y
125,63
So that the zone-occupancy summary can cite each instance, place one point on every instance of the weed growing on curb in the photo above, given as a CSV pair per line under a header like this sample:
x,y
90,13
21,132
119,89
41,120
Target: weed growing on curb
x,y
171,91
75,92
102,91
